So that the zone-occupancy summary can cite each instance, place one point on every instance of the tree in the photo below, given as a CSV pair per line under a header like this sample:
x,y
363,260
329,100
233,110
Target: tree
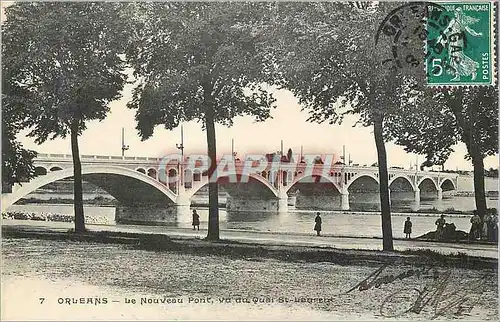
x,y
328,59
65,59
436,120
17,162
198,61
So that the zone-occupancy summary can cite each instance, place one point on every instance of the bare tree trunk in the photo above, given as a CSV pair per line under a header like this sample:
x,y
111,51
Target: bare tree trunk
x,y
383,178
213,188
77,176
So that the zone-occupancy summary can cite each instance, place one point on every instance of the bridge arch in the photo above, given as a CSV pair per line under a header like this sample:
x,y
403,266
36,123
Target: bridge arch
x,y
361,175
448,184
40,170
425,179
152,173
323,179
55,168
90,173
253,176
404,177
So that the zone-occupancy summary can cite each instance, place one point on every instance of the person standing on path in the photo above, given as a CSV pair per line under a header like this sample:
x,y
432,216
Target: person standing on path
x,y
475,229
196,220
317,225
440,226
407,229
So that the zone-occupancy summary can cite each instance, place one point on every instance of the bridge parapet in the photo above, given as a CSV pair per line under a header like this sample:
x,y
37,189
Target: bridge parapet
x,y
51,157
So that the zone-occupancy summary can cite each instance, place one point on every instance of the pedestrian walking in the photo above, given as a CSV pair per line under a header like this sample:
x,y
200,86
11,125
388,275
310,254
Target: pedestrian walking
x,y
407,229
196,220
440,226
317,225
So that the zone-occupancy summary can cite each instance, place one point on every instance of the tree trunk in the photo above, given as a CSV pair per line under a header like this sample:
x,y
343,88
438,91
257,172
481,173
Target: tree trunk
x,y
213,189
77,176
479,191
471,139
383,178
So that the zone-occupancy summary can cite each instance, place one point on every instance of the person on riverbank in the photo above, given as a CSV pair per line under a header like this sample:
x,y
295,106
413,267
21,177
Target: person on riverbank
x,y
440,225
196,220
407,229
317,225
486,231
475,229
494,228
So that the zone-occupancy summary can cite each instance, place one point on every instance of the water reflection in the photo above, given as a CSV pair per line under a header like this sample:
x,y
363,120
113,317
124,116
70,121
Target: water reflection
x,y
297,221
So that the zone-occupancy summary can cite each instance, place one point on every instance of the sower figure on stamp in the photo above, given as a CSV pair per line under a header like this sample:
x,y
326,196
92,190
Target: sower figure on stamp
x,y
407,229
196,220
317,225
453,38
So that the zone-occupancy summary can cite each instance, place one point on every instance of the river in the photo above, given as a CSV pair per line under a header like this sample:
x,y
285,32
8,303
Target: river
x,y
301,221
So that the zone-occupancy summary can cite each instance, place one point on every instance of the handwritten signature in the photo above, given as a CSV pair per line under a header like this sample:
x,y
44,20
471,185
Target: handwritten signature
x,y
436,295
373,280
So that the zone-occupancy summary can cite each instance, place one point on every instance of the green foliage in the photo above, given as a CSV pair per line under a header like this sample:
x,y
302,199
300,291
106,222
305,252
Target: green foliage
x,y
64,63
17,162
431,122
191,57
327,56
328,59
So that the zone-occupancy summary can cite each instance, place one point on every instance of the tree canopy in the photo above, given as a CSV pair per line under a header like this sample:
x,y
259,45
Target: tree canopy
x,y
327,57
65,59
186,54
198,61
64,68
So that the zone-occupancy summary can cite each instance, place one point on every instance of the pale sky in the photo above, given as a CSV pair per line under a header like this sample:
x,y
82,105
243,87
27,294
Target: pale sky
x,y
288,124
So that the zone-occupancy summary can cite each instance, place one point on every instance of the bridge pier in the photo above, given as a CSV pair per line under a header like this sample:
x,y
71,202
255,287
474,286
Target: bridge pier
x,y
182,206
292,201
344,201
417,199
282,201
440,193
145,214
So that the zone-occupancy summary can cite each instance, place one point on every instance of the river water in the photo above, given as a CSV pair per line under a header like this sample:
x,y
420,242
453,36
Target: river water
x,y
48,280
336,223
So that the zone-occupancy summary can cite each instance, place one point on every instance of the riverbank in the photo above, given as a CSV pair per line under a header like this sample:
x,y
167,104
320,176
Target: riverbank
x,y
63,280
202,204
244,248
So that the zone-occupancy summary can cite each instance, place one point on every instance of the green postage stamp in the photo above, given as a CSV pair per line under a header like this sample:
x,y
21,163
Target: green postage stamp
x,y
460,44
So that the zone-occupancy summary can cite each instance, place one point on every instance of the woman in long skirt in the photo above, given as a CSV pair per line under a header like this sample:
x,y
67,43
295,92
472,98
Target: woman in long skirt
x,y
317,225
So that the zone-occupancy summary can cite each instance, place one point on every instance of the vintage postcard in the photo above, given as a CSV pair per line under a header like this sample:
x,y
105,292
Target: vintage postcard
x,y
249,160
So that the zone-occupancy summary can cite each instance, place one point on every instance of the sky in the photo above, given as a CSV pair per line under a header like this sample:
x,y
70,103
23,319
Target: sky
x,y
288,123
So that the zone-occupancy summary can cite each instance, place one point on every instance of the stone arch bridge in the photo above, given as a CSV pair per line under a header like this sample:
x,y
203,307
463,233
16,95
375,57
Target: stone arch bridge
x,y
250,185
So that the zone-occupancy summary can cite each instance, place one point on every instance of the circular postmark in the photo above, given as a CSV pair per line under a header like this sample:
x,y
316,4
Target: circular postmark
x,y
404,34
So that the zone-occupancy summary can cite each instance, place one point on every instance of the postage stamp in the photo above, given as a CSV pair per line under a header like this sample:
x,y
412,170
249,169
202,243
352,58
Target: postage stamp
x,y
460,47
452,42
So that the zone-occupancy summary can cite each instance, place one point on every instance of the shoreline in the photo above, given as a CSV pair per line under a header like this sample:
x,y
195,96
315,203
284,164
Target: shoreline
x,y
424,212
253,249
